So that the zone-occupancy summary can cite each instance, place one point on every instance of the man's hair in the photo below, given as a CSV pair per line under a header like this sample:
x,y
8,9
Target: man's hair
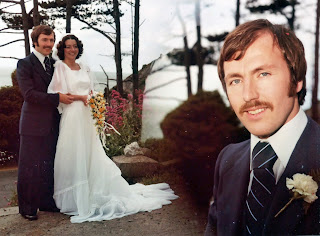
x,y
41,29
62,45
241,38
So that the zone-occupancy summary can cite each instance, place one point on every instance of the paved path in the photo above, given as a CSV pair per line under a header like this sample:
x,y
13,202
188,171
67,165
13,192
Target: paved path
x,y
180,218
8,180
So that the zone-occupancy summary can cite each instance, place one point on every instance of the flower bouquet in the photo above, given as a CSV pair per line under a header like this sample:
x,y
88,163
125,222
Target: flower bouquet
x,y
97,104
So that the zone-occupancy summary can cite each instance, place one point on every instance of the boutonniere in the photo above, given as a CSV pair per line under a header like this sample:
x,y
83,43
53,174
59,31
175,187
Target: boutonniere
x,y
303,186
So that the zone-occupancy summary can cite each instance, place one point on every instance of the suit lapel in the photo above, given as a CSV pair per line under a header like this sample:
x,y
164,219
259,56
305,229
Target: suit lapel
x,y
299,163
236,181
39,69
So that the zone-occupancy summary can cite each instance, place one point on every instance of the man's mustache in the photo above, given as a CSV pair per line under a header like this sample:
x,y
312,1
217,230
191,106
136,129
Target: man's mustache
x,y
256,103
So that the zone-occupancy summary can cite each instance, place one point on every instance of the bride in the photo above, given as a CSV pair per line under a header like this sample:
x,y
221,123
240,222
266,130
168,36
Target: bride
x,y
87,184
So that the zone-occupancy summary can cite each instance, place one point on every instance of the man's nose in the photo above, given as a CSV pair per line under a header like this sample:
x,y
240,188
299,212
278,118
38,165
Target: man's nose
x,y
250,91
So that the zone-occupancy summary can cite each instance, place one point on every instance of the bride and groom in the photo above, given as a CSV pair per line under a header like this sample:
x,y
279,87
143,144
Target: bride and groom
x,y
62,164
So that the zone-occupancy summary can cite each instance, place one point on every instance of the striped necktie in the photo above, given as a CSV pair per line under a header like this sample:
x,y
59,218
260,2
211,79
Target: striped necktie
x,y
261,192
47,64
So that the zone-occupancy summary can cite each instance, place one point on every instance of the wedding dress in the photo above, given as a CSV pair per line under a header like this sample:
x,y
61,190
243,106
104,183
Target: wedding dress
x,y
87,184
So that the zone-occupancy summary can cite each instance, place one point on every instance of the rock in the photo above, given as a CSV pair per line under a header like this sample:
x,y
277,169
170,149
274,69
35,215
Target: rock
x,y
136,166
134,149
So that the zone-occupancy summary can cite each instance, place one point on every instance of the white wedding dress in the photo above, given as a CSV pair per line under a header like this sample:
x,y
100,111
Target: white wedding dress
x,y
87,184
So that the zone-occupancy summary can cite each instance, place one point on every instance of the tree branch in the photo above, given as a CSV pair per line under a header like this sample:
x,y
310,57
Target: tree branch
x,y
11,1
11,42
10,57
98,30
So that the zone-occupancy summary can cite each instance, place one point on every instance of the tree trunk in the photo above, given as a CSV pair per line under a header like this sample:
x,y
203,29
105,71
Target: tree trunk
x,y
238,13
118,46
291,19
187,64
68,16
25,26
135,55
199,47
315,111
186,52
36,15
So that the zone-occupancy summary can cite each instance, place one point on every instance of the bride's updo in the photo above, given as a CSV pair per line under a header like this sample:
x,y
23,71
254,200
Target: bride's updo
x,y
62,45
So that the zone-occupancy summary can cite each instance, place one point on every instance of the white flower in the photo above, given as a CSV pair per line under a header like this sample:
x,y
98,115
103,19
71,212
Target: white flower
x,y
304,185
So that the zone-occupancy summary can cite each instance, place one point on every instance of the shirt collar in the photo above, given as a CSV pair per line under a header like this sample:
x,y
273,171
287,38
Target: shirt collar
x,y
40,56
285,139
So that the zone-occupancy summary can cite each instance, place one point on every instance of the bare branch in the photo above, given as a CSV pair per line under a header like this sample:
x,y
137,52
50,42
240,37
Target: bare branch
x,y
98,30
11,32
10,57
8,6
14,41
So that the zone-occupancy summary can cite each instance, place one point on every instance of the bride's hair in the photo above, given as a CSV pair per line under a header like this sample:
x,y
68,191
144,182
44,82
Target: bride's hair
x,y
62,45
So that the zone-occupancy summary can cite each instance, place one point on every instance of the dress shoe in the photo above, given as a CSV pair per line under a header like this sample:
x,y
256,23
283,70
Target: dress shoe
x,y
54,209
30,217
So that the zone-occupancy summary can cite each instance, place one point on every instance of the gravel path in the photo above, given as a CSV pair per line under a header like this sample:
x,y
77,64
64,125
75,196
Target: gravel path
x,y
182,217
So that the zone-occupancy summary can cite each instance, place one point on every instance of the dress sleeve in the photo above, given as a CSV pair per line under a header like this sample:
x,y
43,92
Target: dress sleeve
x,y
58,83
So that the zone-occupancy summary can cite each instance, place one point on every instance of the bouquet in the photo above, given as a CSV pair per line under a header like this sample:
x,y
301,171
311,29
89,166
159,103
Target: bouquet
x,y
97,104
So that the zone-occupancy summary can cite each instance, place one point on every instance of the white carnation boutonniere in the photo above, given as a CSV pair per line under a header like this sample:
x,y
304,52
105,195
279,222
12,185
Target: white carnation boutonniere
x,y
303,187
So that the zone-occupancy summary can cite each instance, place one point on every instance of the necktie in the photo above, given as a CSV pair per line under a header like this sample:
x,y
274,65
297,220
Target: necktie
x,y
47,65
263,183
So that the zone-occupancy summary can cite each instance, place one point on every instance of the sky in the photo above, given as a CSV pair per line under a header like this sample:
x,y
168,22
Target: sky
x,y
160,31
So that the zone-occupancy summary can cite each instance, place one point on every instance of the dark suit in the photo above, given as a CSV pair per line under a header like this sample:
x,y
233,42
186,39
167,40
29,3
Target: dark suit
x,y
39,125
231,186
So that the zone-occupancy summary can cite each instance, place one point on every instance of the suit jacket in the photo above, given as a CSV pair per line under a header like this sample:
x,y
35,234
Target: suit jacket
x,y
231,186
38,113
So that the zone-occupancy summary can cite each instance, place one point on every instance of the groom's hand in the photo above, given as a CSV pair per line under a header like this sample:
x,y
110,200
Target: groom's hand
x,y
65,98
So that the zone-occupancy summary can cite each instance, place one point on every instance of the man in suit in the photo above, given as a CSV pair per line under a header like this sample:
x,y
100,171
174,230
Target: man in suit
x,y
39,126
262,68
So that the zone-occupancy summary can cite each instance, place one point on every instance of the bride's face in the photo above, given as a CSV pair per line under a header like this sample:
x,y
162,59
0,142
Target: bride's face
x,y
71,50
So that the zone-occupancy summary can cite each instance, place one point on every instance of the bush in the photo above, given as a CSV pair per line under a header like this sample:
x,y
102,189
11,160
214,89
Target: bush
x,y
161,149
10,109
198,130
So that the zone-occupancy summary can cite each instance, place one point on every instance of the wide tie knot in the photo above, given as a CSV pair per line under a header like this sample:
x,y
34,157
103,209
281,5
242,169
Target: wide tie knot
x,y
263,156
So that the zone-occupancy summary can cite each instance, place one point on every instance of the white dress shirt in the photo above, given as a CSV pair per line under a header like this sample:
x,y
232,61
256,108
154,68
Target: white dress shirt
x,y
283,143
40,57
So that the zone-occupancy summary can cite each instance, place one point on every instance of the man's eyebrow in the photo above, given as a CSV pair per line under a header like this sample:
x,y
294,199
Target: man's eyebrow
x,y
232,75
263,67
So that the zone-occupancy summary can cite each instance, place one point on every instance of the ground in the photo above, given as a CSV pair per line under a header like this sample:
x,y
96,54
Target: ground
x,y
182,217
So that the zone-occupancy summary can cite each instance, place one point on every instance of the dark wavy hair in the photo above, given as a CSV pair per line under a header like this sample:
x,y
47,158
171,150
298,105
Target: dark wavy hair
x,y
62,45
240,39
41,29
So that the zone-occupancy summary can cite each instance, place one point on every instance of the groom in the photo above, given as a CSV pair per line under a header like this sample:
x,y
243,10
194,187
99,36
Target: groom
x,y
262,68
39,126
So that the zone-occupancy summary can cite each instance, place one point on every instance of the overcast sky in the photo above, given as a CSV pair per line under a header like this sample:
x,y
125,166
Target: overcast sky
x,y
160,31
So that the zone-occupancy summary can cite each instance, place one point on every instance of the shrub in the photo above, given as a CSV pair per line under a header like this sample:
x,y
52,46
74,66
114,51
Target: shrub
x,y
10,108
198,129
161,149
